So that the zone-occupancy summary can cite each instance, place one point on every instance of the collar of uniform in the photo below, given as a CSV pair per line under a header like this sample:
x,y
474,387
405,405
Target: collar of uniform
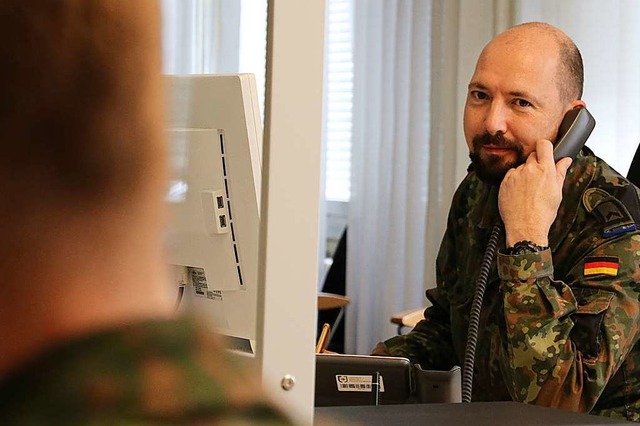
x,y
578,179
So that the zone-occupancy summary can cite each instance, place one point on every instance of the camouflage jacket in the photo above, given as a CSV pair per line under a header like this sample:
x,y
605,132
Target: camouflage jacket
x,y
163,372
558,328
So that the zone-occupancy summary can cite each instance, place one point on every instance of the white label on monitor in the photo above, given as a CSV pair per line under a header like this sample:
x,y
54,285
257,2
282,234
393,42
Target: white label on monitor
x,y
351,383
208,303
200,287
199,281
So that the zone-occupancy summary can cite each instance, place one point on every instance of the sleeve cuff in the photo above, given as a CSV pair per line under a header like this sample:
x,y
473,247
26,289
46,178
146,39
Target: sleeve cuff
x,y
523,267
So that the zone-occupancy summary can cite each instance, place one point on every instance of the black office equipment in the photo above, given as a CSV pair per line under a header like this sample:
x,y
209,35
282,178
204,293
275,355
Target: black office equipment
x,y
433,386
381,380
348,379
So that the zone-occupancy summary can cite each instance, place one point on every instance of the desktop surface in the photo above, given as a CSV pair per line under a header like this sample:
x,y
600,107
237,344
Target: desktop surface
x,y
477,414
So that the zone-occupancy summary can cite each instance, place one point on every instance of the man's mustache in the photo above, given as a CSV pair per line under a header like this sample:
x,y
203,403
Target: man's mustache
x,y
497,140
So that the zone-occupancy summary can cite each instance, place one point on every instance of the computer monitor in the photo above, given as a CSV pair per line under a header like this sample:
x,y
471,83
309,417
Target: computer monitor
x,y
215,137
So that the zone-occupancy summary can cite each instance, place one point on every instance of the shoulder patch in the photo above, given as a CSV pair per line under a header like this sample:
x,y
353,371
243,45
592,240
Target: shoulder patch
x,y
611,212
601,265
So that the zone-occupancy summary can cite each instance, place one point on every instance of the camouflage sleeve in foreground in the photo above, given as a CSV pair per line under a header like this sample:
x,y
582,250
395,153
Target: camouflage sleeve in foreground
x,y
149,373
564,342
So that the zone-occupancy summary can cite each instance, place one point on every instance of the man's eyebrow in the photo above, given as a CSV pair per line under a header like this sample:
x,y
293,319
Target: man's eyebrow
x,y
513,93
476,85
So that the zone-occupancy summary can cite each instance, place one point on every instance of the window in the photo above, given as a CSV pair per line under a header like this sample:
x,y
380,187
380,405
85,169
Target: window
x,y
339,45
214,36
253,43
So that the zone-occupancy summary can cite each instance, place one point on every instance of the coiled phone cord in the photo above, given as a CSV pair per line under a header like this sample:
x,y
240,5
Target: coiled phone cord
x,y
476,307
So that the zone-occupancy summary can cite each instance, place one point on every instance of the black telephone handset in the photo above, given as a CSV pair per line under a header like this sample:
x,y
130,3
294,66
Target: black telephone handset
x,y
574,131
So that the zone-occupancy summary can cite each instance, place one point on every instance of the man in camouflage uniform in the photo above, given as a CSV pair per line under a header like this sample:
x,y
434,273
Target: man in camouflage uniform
x,y
86,328
558,325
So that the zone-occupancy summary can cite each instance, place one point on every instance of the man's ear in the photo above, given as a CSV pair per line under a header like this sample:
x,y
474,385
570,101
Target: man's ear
x,y
578,103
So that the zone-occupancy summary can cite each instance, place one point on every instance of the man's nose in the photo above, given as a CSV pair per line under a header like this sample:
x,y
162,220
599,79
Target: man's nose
x,y
496,119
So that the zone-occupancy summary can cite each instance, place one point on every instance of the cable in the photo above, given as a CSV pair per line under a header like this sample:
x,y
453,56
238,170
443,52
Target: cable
x,y
474,315
179,298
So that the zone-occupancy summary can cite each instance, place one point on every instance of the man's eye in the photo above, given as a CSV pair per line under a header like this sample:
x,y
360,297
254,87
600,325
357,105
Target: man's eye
x,y
479,95
523,103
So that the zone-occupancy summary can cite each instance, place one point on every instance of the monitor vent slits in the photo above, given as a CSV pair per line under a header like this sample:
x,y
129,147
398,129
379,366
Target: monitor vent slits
x,y
229,210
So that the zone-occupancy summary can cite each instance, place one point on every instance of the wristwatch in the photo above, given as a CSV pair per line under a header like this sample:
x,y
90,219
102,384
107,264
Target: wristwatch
x,y
524,247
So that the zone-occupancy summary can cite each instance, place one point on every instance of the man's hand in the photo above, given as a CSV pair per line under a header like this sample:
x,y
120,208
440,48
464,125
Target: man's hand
x,y
530,196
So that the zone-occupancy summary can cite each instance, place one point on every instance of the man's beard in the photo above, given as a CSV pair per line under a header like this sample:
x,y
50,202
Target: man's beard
x,y
492,168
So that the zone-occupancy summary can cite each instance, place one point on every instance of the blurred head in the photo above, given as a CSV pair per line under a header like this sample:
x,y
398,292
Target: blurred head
x,y
80,113
525,80
82,170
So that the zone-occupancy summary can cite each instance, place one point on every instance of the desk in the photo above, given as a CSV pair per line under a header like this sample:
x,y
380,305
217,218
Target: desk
x,y
477,414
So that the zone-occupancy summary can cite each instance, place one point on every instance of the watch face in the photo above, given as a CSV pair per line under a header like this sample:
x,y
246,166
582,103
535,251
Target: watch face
x,y
525,247
525,250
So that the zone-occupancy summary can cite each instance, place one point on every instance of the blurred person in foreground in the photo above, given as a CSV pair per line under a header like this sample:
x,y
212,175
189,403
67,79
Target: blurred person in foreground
x,y
86,316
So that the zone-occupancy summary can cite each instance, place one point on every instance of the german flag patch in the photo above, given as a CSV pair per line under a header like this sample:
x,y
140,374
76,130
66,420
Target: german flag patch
x,y
601,265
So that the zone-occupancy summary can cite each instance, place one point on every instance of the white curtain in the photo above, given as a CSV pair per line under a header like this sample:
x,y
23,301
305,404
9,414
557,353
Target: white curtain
x,y
390,165
201,36
608,35
412,62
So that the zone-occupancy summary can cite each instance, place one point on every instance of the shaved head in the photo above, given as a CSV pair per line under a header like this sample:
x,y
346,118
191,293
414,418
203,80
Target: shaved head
x,y
539,35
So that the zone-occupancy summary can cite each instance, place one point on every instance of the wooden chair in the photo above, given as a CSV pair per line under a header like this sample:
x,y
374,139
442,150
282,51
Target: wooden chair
x,y
331,301
408,318
327,301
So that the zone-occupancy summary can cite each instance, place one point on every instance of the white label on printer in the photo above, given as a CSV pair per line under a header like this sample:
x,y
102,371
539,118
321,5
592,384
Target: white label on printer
x,y
351,383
